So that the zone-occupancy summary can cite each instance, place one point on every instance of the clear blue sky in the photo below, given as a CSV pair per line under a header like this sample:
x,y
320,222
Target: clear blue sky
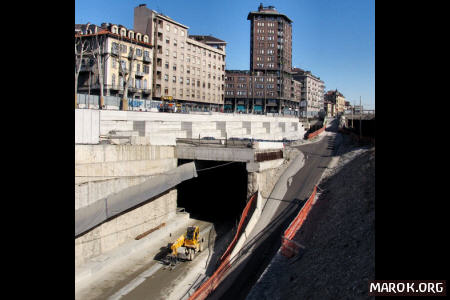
x,y
334,39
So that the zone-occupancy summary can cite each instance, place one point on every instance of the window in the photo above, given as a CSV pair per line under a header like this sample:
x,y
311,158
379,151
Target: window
x,y
146,69
174,79
174,67
181,79
139,52
113,79
166,77
115,47
168,28
174,55
175,42
167,52
167,65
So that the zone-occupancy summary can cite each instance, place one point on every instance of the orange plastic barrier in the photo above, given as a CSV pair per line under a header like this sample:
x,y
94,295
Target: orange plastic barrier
x,y
288,247
211,284
315,133
239,229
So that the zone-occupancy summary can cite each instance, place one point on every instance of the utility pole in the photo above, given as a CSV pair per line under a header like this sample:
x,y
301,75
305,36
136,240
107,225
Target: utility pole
x,y
360,116
353,108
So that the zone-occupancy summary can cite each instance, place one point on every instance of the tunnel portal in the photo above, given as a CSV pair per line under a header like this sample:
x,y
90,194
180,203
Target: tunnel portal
x,y
219,192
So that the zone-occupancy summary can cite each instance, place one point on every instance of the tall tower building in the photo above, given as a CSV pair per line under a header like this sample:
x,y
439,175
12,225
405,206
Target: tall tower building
x,y
269,86
270,40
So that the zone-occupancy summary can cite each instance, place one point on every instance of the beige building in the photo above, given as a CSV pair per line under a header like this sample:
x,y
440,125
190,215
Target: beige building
x,y
126,57
338,99
312,100
190,69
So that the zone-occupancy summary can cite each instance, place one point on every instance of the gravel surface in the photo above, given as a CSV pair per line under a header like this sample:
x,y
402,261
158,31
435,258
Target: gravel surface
x,y
339,237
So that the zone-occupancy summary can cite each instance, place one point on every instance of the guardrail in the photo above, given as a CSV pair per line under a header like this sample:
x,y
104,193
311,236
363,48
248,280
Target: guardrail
x,y
213,282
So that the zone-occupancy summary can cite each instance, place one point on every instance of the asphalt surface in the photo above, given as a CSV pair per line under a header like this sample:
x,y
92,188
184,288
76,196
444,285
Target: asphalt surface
x,y
265,238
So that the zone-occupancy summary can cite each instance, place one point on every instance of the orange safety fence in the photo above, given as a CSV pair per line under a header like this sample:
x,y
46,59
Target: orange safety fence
x,y
288,247
239,229
211,284
315,133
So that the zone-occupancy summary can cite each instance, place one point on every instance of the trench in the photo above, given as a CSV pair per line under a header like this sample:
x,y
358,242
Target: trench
x,y
218,195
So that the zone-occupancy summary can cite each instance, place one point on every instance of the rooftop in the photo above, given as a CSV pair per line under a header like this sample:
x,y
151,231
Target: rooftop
x,y
207,39
267,11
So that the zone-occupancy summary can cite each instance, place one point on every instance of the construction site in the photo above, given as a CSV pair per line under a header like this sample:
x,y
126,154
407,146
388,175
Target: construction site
x,y
197,208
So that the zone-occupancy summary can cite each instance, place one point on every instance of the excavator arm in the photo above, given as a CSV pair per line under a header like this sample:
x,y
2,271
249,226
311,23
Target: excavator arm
x,y
177,244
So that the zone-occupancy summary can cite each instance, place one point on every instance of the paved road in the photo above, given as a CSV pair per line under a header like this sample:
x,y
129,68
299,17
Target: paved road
x,y
265,239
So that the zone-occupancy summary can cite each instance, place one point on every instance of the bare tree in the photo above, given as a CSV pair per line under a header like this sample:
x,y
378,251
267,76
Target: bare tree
x,y
81,48
126,72
101,55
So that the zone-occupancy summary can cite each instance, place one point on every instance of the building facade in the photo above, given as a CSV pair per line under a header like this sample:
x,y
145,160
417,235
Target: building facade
x,y
329,108
126,57
190,69
312,95
268,87
338,99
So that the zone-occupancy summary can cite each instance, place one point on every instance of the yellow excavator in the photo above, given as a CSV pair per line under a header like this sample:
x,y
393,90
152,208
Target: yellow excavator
x,y
185,247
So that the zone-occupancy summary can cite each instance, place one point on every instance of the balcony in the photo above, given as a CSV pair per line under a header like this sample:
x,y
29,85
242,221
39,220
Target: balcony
x,y
139,74
86,68
115,52
146,91
115,87
146,59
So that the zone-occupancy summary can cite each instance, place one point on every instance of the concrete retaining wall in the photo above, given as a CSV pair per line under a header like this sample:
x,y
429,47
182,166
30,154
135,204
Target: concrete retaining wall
x,y
125,227
87,126
190,126
102,170
270,183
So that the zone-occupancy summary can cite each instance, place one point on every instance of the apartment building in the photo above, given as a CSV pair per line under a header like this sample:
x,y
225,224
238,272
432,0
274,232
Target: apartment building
x,y
312,95
190,69
126,57
338,99
269,86
270,40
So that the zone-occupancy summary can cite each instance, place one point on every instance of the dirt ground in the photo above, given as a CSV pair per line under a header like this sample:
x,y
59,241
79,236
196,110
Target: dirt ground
x,y
338,235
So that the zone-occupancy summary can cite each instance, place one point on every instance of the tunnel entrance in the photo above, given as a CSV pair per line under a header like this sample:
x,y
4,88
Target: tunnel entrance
x,y
218,194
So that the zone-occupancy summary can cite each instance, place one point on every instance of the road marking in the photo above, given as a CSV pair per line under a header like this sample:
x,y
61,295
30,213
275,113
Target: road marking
x,y
135,282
